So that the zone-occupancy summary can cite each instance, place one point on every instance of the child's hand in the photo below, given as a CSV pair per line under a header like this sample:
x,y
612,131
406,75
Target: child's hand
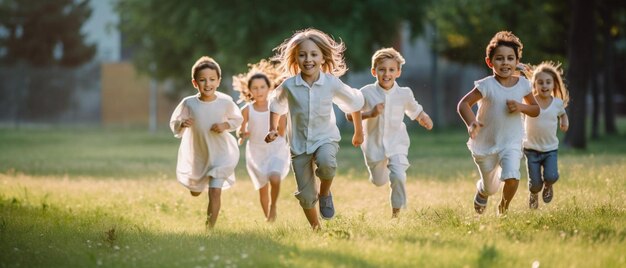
x,y
378,109
424,120
219,127
474,128
186,122
564,126
271,136
242,136
513,106
357,139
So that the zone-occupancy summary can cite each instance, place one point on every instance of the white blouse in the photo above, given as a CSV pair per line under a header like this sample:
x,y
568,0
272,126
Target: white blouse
x,y
541,130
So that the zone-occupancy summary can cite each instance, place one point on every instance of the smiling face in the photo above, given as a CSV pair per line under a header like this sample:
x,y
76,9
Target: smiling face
x,y
544,85
207,81
503,62
259,89
386,72
310,60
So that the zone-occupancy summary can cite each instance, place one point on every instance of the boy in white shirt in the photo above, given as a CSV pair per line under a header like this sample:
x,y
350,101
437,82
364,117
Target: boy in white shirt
x,y
385,139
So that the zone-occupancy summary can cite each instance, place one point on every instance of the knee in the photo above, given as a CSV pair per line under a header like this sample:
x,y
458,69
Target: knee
x,y
551,178
396,179
307,199
535,188
326,171
378,182
490,191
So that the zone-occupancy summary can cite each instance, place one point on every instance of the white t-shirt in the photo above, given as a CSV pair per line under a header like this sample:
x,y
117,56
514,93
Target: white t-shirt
x,y
203,152
501,129
386,135
541,130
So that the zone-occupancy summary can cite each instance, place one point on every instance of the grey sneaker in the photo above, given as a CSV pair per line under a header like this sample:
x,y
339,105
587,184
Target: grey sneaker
x,y
547,193
533,200
327,209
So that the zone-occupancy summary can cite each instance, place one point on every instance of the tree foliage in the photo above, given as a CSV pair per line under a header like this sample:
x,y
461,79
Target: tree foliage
x,y
44,33
167,36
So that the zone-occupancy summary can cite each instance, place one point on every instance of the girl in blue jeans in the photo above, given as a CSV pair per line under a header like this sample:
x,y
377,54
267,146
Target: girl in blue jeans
x,y
541,143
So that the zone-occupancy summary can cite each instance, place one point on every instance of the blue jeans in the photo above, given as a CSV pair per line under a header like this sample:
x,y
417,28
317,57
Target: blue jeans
x,y
535,161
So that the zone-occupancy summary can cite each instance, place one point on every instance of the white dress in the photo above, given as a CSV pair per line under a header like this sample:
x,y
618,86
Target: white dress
x,y
264,159
202,152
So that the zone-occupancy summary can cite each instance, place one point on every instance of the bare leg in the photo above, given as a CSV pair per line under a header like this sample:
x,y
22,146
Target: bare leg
x,y
508,192
325,187
264,198
311,215
215,203
395,212
275,190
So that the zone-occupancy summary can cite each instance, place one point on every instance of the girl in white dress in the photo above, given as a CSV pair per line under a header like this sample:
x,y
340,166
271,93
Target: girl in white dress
x,y
208,154
267,163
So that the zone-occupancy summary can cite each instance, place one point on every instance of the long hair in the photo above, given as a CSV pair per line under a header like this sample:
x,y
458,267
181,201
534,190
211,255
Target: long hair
x,y
553,69
263,69
332,52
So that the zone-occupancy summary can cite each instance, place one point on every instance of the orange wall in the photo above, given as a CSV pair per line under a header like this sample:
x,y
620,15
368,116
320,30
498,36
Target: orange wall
x,y
125,97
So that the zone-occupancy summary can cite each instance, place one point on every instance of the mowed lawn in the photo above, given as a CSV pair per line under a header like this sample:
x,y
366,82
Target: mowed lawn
x,y
109,198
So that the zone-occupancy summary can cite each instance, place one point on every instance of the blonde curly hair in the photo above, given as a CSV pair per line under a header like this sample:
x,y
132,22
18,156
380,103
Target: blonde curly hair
x,y
264,69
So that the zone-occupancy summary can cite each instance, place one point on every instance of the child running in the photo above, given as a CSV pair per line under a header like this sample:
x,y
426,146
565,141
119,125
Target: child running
x,y
208,154
386,141
496,131
541,143
313,61
267,163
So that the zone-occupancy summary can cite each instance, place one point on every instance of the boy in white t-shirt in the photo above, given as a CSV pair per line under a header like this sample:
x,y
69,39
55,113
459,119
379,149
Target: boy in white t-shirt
x,y
541,143
496,131
386,141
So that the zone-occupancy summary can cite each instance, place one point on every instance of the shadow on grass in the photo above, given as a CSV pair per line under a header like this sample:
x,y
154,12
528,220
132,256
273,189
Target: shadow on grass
x,y
47,236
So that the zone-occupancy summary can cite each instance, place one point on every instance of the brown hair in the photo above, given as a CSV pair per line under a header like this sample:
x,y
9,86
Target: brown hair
x,y
205,62
265,70
507,39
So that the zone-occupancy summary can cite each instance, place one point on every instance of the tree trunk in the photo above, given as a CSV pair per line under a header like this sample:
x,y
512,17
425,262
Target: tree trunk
x,y
580,44
595,103
609,71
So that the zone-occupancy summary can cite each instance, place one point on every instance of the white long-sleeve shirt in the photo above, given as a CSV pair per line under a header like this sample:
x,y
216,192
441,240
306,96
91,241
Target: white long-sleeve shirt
x,y
385,135
310,108
203,152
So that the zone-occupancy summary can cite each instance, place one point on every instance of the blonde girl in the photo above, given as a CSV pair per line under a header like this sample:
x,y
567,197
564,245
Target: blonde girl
x,y
541,143
267,163
312,61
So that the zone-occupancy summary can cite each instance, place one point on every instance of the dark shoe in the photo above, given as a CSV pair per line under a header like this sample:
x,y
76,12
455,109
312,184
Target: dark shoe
x,y
327,209
480,203
533,200
547,193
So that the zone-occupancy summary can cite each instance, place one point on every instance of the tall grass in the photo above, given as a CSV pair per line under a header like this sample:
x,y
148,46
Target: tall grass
x,y
108,198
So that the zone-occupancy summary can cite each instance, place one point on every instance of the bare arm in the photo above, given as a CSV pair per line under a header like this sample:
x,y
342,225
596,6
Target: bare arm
x,y
282,125
242,134
273,132
357,138
529,107
564,122
374,112
424,120
464,108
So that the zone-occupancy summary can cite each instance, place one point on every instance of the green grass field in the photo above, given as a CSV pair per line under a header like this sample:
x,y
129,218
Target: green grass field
x,y
109,198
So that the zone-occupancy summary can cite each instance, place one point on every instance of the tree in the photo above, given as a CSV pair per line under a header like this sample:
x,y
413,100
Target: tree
x,y
578,75
44,33
170,35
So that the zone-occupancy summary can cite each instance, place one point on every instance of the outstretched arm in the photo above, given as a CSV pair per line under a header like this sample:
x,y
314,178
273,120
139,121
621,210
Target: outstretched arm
x,y
273,132
464,108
